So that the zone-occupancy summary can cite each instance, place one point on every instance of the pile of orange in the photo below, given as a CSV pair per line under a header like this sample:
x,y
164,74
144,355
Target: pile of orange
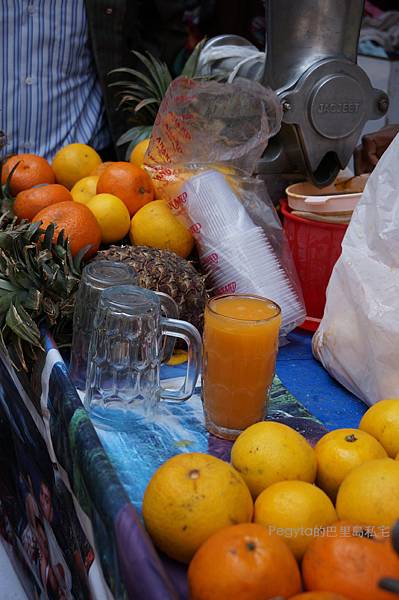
x,y
198,510
119,194
39,198
322,517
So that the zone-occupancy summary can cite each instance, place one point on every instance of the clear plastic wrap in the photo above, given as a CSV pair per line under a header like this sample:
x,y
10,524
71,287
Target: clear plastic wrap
x,y
206,142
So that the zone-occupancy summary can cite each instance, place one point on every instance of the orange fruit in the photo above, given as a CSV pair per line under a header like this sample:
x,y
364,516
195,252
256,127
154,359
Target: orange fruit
x,y
101,167
138,153
156,226
369,494
85,189
382,422
350,564
112,216
32,170
129,183
295,510
319,596
268,452
73,162
340,451
28,202
243,562
190,497
77,221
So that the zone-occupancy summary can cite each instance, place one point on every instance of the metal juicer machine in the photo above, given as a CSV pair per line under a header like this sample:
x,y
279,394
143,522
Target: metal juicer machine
x,y
311,63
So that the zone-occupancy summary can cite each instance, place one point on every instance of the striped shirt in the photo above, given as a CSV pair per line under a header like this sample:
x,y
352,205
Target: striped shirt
x,y
50,95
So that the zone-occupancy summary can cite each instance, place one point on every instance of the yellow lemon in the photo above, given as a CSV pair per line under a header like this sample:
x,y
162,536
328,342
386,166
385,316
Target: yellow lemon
x,y
369,494
138,153
85,189
112,216
190,497
382,422
340,451
155,225
296,511
179,357
268,452
73,162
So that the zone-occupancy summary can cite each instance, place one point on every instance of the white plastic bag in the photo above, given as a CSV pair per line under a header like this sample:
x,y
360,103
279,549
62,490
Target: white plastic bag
x,y
358,338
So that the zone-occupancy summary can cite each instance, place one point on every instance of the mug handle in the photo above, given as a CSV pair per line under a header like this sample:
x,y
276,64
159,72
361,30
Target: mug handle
x,y
192,337
170,309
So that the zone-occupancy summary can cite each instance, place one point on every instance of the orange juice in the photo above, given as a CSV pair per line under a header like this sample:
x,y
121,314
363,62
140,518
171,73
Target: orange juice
x,y
240,346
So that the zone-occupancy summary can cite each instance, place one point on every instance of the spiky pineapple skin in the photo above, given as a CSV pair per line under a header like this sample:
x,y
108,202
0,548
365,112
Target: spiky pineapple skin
x,y
164,271
38,281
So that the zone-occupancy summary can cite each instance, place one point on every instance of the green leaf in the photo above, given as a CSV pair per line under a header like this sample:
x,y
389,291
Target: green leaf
x,y
20,322
48,236
162,70
5,301
158,72
6,286
77,260
146,103
22,279
7,192
129,85
32,300
191,66
33,231
151,87
61,238
135,134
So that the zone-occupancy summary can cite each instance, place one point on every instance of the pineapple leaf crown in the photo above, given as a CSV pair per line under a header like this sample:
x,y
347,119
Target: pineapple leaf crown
x,y
38,281
142,92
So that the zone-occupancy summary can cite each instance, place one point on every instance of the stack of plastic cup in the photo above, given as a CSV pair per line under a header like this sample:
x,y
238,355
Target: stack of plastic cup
x,y
235,252
212,204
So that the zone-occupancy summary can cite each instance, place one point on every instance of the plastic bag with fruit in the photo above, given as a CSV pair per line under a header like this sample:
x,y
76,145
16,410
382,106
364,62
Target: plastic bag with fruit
x,y
358,338
206,142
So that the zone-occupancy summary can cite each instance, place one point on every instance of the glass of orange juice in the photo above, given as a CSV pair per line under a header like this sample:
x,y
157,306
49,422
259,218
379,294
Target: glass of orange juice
x,y
239,357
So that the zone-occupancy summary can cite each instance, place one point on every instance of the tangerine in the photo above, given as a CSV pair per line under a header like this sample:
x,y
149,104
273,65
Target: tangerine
x,y
32,170
77,221
351,564
319,596
129,183
243,562
101,168
28,202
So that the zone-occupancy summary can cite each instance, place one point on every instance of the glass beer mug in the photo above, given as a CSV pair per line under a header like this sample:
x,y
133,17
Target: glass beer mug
x,y
124,359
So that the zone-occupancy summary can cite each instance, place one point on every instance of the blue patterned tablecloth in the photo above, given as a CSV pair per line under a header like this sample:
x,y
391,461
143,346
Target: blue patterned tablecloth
x,y
95,477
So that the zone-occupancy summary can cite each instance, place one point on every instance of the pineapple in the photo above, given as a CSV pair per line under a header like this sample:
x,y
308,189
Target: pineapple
x,y
164,271
141,96
38,281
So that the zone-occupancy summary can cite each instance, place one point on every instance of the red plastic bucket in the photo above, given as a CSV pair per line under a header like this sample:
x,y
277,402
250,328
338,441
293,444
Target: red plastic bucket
x,y
315,247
